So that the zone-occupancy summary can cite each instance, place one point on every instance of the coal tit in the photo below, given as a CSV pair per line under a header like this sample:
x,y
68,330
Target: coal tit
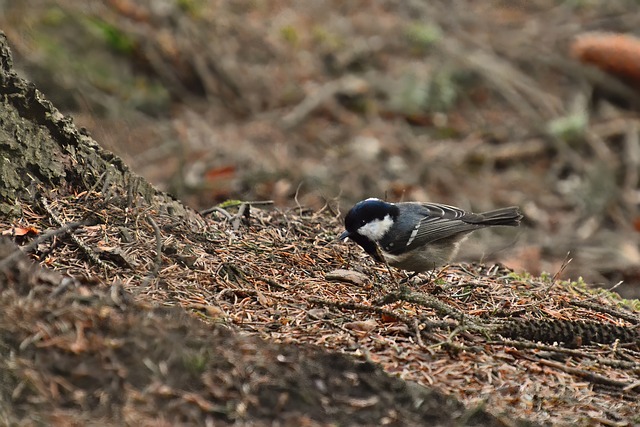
x,y
417,236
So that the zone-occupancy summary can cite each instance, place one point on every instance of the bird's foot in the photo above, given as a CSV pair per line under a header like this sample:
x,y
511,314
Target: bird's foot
x,y
407,280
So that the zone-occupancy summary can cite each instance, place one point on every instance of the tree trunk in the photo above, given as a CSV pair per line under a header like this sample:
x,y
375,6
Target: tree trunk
x,y
42,151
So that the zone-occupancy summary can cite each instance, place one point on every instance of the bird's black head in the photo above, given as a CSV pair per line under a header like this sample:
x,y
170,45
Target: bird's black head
x,y
367,222
375,215
365,212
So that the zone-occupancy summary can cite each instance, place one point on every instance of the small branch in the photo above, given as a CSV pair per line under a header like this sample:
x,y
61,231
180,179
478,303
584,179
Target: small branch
x,y
361,307
589,376
424,300
67,228
244,210
64,285
411,322
93,257
604,309
224,213
556,350
563,267
158,260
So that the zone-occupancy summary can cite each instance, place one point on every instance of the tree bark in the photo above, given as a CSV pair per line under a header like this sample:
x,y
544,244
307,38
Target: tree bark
x,y
41,150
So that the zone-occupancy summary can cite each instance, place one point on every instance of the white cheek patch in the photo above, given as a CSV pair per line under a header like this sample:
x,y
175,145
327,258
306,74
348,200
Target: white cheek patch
x,y
376,229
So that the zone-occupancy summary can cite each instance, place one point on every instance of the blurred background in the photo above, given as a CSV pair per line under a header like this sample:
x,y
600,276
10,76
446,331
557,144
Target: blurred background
x,y
476,104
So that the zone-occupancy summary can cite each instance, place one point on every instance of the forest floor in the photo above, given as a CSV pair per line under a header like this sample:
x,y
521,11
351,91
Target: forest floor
x,y
94,341
475,104
311,107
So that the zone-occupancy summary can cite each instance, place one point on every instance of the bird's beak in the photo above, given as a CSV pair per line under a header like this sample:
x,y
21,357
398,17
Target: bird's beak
x,y
344,235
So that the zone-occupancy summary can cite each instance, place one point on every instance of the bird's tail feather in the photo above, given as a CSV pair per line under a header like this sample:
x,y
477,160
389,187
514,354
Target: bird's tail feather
x,y
510,216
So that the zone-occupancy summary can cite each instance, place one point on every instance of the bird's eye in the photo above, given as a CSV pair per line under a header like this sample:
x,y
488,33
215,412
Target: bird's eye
x,y
363,222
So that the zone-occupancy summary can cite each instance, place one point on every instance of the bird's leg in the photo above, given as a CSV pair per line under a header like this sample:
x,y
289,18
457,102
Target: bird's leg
x,y
381,257
409,277
434,275
431,276
390,272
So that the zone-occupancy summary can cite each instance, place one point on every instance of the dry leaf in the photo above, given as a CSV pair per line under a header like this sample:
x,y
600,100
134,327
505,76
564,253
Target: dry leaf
x,y
388,318
20,231
348,276
617,54
362,325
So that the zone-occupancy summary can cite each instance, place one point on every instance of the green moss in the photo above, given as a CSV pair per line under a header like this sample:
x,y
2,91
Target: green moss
x,y
442,92
422,36
290,35
438,93
546,277
521,277
54,16
230,203
440,281
113,36
195,361
583,287
569,128
191,7
329,40
73,48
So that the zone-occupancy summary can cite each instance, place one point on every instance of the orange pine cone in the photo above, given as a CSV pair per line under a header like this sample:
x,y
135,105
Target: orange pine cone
x,y
617,54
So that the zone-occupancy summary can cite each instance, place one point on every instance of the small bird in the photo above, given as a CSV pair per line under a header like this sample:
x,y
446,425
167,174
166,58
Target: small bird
x,y
416,236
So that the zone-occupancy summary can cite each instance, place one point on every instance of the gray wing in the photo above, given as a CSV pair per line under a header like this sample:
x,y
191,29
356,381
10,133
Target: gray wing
x,y
434,221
